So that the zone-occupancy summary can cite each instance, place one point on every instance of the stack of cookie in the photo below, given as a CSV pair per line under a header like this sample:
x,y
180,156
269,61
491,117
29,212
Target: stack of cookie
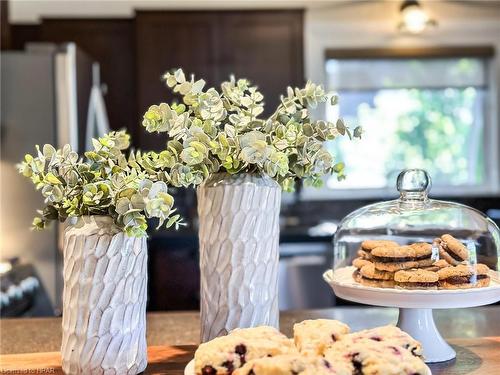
x,y
444,264
451,250
319,347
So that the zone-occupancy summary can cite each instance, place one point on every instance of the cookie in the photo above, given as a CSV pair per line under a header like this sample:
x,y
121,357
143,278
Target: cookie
x,y
436,266
377,283
360,262
292,365
369,245
369,357
370,272
312,337
397,266
416,279
388,334
464,276
364,254
400,254
452,250
223,355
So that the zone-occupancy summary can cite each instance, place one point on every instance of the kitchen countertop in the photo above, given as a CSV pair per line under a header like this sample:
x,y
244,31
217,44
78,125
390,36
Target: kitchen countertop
x,y
182,328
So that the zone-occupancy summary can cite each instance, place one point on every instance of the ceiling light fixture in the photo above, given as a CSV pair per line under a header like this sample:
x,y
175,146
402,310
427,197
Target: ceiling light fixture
x,y
414,19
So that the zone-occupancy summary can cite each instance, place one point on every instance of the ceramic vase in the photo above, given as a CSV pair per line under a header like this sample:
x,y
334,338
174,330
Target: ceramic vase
x,y
239,254
104,299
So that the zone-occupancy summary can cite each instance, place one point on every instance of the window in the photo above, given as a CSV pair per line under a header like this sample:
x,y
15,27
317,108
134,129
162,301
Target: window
x,y
429,113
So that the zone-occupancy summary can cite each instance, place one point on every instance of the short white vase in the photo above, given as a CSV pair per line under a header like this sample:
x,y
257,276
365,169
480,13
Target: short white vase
x,y
239,252
104,300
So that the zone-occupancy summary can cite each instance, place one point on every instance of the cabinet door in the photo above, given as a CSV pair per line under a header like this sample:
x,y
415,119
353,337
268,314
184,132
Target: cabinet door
x,y
165,41
265,47
110,43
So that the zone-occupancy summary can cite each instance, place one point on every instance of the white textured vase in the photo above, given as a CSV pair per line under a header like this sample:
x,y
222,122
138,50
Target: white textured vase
x,y
239,252
104,300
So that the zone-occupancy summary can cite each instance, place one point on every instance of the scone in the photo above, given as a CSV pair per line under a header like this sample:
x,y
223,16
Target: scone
x,y
292,365
369,357
451,249
393,259
388,334
313,336
416,279
223,355
464,276
261,332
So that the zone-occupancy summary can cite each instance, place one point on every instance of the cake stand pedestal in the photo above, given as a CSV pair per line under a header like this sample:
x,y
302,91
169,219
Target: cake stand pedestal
x,y
419,323
415,306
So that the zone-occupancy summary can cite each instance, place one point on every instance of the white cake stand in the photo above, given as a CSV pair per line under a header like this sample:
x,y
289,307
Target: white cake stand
x,y
415,306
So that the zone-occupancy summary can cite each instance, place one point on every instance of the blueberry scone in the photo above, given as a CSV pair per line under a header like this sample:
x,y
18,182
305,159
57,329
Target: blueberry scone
x,y
369,357
388,335
292,365
262,332
225,354
313,336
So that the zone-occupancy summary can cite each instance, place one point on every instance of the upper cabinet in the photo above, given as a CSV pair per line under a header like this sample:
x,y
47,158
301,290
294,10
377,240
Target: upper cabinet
x,y
264,46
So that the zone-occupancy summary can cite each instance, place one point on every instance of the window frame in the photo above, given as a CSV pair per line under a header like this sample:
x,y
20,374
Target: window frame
x,y
491,134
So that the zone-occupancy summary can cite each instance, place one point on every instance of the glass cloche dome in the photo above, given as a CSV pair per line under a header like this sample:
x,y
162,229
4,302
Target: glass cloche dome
x,y
435,244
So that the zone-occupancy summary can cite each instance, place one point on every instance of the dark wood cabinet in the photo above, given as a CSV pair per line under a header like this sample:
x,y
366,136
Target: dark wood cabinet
x,y
264,46
164,41
5,37
111,43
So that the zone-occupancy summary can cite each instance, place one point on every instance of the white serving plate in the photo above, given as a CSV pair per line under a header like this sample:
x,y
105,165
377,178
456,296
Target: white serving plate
x,y
189,370
415,306
345,287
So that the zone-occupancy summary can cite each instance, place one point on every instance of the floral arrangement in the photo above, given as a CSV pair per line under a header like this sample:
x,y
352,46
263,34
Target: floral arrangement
x,y
212,131
106,183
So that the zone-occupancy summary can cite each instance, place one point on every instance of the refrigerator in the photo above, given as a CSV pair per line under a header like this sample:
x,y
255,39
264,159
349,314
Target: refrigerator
x,y
45,98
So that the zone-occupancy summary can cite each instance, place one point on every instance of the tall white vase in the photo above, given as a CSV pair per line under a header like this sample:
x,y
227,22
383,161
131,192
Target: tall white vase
x,y
104,300
239,240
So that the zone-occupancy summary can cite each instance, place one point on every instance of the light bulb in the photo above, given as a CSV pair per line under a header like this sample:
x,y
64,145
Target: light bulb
x,y
5,267
415,19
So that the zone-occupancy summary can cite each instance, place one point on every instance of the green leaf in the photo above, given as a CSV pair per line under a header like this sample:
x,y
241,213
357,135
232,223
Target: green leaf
x,y
358,131
339,167
52,179
172,220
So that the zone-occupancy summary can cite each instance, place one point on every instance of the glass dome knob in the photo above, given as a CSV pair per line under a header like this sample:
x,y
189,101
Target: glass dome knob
x,y
413,185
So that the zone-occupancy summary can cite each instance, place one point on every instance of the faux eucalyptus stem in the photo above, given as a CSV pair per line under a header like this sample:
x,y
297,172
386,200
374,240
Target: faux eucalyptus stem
x,y
212,131
105,183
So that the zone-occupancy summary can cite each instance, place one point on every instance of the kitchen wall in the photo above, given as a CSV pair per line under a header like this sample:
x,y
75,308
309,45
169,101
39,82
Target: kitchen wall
x,y
108,30
373,25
